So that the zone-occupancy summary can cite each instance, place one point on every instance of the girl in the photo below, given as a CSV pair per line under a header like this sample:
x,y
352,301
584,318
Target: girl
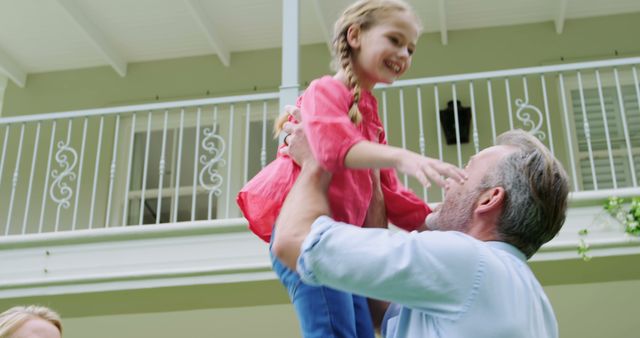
x,y
373,43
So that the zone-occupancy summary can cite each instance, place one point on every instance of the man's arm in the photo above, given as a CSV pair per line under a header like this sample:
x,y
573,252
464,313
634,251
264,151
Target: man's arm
x,y
306,201
377,218
405,268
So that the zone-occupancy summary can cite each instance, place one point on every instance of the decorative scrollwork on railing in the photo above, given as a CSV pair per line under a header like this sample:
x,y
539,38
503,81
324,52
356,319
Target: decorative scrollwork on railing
x,y
209,177
527,121
60,192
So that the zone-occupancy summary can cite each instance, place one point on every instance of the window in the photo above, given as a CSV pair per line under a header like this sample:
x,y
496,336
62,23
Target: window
x,y
594,160
198,161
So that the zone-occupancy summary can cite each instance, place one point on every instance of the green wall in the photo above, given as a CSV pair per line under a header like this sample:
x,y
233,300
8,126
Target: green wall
x,y
583,311
591,310
527,45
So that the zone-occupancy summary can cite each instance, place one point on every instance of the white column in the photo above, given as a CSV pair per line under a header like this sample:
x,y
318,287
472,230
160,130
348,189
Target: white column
x,y
4,82
289,87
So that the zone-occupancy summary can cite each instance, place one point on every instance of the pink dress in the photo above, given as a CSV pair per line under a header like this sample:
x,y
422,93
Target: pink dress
x,y
330,132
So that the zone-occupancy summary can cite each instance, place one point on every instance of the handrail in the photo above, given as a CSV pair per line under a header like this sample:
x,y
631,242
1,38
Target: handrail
x,y
512,72
236,225
139,108
594,195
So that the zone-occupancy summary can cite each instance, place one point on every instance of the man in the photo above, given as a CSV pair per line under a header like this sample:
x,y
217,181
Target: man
x,y
468,277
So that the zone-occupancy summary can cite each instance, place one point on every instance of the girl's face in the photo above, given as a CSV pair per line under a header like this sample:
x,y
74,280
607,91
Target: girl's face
x,y
383,52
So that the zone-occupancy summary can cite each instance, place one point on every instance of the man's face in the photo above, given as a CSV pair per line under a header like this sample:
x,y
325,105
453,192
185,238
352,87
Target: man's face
x,y
460,200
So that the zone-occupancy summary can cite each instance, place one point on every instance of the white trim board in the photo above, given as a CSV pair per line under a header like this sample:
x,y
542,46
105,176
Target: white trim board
x,y
4,83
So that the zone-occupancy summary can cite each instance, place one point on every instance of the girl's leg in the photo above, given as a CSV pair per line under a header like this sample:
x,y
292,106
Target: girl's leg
x,y
322,312
364,324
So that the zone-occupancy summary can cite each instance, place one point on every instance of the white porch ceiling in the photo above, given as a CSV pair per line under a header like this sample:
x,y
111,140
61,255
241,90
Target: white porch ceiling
x,y
50,35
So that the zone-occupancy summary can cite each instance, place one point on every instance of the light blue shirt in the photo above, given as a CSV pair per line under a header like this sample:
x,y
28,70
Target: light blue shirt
x,y
446,283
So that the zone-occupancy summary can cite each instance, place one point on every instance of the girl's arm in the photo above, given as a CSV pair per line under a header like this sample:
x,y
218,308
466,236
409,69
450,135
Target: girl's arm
x,y
366,154
336,143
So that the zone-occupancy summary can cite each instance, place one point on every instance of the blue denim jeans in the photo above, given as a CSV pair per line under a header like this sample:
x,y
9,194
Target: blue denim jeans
x,y
324,312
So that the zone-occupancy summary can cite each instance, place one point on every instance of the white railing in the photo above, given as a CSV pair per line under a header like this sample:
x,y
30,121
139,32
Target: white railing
x,y
131,166
184,161
586,113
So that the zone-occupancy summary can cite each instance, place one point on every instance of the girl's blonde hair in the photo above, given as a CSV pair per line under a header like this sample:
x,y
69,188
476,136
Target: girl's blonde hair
x,y
16,316
364,14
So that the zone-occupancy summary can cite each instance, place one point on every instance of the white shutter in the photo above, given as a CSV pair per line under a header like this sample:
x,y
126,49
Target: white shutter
x,y
598,138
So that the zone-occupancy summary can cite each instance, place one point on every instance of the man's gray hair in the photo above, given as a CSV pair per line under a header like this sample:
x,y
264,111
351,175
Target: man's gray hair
x,y
536,189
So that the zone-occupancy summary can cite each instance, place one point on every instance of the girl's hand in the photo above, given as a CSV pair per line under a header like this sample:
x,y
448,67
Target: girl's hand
x,y
427,169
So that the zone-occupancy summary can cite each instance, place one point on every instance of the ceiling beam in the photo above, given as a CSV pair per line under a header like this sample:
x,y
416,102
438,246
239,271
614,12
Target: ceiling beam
x,y
11,68
442,14
324,24
561,15
198,13
95,35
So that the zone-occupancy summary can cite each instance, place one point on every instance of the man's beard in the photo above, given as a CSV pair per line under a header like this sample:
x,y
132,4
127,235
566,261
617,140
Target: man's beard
x,y
455,213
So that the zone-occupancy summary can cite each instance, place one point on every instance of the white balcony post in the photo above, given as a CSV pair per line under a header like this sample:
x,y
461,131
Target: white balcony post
x,y
4,82
263,147
289,87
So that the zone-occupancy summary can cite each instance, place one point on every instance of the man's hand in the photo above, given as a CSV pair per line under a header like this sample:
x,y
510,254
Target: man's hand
x,y
307,199
296,146
377,213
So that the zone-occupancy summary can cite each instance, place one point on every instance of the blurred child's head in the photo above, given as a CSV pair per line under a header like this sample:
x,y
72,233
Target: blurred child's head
x,y
30,321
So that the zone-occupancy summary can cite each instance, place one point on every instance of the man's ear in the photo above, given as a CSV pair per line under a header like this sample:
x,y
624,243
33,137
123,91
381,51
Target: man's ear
x,y
353,36
491,200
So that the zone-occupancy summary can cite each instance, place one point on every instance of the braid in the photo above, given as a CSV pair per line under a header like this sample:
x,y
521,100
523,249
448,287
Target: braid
x,y
279,124
345,63
344,59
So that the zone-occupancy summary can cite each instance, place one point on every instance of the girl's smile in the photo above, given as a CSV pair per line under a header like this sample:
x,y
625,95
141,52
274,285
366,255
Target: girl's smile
x,y
383,52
